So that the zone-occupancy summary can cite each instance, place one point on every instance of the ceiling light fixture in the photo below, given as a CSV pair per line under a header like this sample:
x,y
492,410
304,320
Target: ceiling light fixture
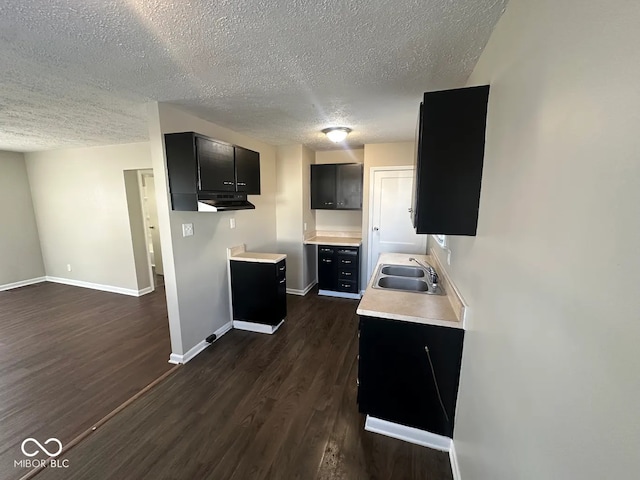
x,y
336,134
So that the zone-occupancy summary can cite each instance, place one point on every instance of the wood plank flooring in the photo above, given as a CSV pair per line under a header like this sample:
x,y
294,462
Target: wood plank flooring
x,y
69,356
255,406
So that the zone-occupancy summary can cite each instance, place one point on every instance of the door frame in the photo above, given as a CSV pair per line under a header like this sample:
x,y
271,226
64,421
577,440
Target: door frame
x,y
141,189
372,174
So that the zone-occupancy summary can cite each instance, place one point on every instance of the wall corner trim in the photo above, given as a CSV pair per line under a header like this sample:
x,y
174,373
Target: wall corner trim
x,y
176,358
453,458
408,434
22,283
302,293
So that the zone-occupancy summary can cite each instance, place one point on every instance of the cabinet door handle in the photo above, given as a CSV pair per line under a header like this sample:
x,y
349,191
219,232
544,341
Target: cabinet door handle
x,y
345,286
328,203
346,274
325,260
283,280
228,183
282,269
242,184
357,382
346,261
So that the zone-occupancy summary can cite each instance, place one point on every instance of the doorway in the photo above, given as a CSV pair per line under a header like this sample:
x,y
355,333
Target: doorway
x,y
150,215
391,229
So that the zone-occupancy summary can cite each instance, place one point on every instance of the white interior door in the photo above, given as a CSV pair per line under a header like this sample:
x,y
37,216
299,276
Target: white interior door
x,y
151,214
390,227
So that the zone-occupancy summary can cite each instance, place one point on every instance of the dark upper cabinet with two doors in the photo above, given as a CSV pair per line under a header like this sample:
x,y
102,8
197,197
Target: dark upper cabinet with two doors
x,y
198,164
450,142
336,186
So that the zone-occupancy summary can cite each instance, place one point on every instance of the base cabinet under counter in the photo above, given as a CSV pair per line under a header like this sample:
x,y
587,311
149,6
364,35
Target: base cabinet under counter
x,y
339,271
259,292
400,382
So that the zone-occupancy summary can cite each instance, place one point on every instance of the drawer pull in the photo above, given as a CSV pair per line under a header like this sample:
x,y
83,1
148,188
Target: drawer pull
x,y
242,184
326,260
283,280
346,274
229,183
346,261
345,286
282,269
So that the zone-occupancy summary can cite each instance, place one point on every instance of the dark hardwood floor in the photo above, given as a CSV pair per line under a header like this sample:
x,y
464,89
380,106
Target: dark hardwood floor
x,y
255,406
69,356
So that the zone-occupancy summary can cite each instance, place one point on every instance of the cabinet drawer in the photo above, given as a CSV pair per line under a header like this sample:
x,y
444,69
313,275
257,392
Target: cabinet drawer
x,y
326,251
350,274
347,262
281,270
347,286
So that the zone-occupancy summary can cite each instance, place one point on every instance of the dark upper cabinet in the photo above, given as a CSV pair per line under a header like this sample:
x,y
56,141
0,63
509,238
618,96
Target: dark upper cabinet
x,y
323,187
450,142
400,382
216,171
197,164
247,171
336,186
349,186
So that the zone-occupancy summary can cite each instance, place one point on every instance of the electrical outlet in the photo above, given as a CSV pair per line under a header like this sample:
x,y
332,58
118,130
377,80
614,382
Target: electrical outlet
x,y
232,222
187,229
68,267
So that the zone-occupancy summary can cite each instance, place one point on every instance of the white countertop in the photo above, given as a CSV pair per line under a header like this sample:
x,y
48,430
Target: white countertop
x,y
337,241
409,306
258,257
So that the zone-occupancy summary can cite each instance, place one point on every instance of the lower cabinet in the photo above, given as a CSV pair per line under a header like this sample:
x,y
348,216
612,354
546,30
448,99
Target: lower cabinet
x,y
399,382
339,269
259,291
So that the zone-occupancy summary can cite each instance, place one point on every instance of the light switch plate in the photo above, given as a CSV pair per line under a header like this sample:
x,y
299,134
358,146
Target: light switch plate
x,y
187,229
232,222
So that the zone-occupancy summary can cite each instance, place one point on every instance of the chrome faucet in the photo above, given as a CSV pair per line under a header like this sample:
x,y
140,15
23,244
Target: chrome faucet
x,y
431,273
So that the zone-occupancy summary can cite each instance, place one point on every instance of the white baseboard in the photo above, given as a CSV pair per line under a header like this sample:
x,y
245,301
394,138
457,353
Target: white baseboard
x,y
144,291
453,458
22,283
176,358
302,293
256,327
331,293
97,286
408,434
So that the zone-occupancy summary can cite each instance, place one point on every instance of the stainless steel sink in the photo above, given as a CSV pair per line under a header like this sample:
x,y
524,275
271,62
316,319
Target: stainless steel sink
x,y
403,283
406,278
402,271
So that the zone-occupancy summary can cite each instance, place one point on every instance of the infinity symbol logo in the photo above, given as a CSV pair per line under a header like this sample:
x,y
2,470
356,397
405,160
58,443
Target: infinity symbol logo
x,y
33,440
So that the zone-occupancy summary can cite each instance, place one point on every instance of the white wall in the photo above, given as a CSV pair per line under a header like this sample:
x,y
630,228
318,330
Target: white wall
x,y
195,267
335,220
81,210
549,386
20,254
379,155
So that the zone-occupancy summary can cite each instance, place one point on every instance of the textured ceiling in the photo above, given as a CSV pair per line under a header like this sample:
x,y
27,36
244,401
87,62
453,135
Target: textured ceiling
x,y
78,72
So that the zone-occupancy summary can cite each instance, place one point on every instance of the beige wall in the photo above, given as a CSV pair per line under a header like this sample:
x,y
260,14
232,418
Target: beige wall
x,y
137,226
20,254
549,386
195,267
309,217
289,211
379,155
348,221
81,209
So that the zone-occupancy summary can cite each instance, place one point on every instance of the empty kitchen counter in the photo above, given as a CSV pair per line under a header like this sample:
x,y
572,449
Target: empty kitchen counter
x,y
258,286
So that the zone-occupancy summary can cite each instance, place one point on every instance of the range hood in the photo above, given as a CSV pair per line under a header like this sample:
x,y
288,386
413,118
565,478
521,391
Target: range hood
x,y
223,202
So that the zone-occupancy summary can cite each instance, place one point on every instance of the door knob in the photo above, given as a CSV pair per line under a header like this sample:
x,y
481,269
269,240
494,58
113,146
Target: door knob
x,y
375,229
